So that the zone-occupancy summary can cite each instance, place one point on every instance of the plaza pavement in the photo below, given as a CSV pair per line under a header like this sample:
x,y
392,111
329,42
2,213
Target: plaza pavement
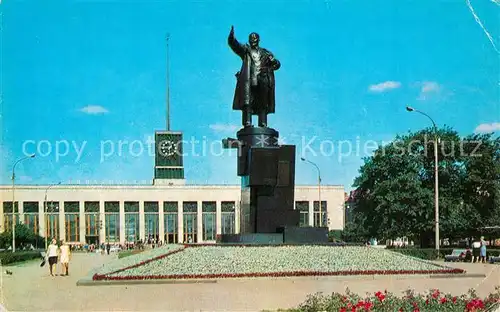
x,y
30,288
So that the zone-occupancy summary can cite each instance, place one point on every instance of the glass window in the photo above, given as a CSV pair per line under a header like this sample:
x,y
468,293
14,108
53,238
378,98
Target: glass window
x,y
112,227
112,207
151,220
112,222
131,227
52,225
31,221
7,215
208,221
91,207
30,207
170,206
52,220
303,208
227,217
190,221
72,221
170,221
318,216
131,207
93,223
31,216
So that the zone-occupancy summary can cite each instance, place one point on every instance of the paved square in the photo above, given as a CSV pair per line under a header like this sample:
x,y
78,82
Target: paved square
x,y
30,288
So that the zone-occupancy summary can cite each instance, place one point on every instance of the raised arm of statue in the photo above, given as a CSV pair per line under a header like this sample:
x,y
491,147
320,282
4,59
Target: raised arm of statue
x,y
235,45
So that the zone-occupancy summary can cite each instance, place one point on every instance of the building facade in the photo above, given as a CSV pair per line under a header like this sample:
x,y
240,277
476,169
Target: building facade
x,y
168,212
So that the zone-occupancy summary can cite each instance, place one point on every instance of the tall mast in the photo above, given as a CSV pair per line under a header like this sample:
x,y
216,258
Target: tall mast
x,y
168,84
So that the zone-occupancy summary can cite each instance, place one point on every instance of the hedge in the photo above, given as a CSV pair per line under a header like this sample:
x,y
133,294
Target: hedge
x,y
12,257
432,254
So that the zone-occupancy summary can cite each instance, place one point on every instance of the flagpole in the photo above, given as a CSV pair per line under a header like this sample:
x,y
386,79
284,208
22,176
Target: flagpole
x,y
168,83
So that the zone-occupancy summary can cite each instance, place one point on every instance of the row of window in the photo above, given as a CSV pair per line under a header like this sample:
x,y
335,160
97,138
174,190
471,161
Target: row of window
x,y
111,226
111,222
168,206
114,206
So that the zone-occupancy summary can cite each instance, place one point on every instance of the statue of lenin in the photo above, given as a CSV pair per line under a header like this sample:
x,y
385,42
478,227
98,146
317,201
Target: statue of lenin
x,y
255,88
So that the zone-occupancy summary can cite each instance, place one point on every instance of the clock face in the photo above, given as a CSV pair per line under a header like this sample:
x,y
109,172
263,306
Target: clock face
x,y
167,148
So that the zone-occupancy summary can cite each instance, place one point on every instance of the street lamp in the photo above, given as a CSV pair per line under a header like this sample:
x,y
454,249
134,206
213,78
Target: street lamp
x,y
14,201
45,213
436,178
319,188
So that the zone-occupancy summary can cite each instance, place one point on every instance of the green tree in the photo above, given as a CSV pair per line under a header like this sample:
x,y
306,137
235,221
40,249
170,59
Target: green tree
x,y
395,188
482,183
24,237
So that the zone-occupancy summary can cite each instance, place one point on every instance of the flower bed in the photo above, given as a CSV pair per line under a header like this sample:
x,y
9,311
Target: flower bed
x,y
432,301
251,261
136,259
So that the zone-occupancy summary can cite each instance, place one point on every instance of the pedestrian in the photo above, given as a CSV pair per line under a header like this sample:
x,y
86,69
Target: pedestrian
x,y
65,257
52,253
108,248
476,245
483,250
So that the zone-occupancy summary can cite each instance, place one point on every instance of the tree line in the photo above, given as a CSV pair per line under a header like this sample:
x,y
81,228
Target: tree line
x,y
394,191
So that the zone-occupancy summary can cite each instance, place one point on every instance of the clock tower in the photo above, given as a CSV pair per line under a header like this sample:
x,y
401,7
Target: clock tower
x,y
169,162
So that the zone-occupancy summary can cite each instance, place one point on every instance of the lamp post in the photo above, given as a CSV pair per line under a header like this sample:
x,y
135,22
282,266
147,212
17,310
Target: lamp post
x,y
45,214
319,189
436,178
14,201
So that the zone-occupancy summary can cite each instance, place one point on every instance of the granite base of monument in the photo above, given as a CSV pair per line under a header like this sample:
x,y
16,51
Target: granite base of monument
x,y
285,235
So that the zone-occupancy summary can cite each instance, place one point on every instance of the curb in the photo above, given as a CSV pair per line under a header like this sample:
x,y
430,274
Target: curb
x,y
90,282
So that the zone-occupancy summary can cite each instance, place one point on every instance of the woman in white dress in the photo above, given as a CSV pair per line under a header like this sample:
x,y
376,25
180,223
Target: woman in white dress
x,y
64,258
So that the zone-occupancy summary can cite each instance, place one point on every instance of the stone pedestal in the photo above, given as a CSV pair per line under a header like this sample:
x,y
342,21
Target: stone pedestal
x,y
267,172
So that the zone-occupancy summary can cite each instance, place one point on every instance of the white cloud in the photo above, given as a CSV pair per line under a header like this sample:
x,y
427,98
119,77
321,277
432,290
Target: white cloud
x,y
94,110
488,127
428,88
384,86
224,127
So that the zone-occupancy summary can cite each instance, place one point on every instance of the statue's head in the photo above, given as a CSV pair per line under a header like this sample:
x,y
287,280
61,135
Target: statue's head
x,y
253,39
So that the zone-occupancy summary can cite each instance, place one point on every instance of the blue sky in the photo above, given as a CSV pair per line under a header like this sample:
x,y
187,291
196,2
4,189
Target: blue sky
x,y
88,72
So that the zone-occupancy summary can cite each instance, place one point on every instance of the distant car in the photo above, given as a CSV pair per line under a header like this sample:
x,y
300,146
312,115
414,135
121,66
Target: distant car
x,y
458,255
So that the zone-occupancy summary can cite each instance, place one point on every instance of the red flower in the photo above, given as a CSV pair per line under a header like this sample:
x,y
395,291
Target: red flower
x,y
380,296
435,294
368,305
443,300
475,304
343,309
454,299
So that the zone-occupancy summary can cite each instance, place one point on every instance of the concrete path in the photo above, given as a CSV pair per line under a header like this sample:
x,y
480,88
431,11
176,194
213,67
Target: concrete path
x,y
30,288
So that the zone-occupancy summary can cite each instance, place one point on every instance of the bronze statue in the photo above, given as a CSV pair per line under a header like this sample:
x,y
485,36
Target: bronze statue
x,y
255,92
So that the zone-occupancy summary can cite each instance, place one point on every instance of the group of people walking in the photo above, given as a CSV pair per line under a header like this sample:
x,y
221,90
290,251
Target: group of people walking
x,y
479,250
55,253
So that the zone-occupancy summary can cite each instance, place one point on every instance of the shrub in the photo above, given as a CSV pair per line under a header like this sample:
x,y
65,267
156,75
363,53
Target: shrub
x,y
12,257
432,254
422,253
432,301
